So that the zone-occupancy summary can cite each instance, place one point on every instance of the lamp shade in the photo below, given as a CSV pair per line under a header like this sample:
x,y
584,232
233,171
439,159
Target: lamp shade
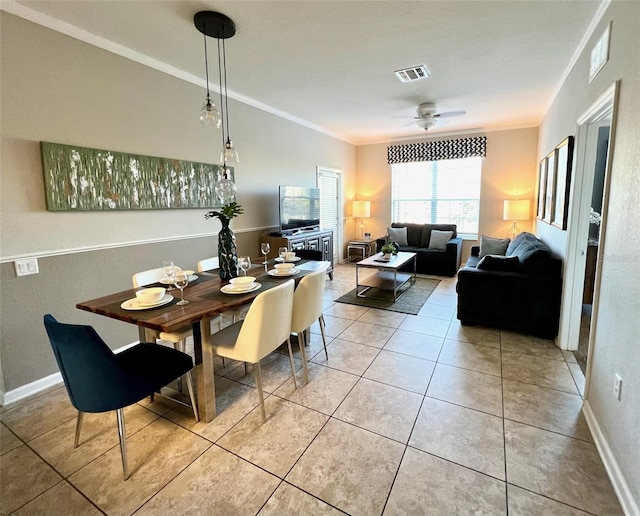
x,y
361,209
516,209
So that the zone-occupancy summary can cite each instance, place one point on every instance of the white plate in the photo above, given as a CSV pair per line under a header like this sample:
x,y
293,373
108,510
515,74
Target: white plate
x,y
134,304
296,259
276,272
228,289
167,281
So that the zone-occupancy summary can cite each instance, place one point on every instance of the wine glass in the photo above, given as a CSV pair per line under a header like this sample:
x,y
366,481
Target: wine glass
x,y
264,249
282,252
244,262
168,269
181,280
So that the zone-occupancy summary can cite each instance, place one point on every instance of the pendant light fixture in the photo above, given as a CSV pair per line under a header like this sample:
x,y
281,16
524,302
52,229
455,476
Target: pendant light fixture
x,y
217,25
209,114
228,154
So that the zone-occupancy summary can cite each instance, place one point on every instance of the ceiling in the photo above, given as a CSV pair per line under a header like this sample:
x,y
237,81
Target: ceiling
x,y
330,64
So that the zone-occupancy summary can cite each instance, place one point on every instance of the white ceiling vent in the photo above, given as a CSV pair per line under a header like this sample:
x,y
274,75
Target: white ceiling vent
x,y
415,73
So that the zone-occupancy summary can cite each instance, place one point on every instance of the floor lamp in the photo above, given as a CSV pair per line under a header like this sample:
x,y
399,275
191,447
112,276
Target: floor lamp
x,y
515,210
361,210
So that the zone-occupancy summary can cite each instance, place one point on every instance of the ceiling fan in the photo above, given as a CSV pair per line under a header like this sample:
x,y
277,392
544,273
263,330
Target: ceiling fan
x,y
428,115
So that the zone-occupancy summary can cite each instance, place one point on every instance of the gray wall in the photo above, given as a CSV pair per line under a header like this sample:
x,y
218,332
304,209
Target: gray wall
x,y
617,338
58,89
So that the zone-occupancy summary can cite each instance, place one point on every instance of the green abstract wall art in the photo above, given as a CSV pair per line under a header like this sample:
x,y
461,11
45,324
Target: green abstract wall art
x,y
83,179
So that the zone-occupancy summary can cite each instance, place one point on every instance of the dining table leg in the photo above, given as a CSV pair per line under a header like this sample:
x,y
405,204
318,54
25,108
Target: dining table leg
x,y
205,382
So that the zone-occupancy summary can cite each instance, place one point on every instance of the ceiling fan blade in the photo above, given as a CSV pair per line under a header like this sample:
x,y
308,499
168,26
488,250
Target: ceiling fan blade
x,y
449,113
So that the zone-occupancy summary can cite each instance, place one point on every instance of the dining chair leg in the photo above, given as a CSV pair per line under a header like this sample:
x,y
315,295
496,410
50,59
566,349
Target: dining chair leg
x,y
293,370
301,344
258,373
180,346
192,395
78,428
122,435
324,337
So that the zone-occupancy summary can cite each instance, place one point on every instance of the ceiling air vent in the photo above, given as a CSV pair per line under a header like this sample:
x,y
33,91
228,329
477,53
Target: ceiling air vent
x,y
415,73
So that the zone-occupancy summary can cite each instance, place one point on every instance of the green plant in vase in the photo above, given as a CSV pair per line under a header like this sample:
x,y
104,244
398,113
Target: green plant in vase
x,y
227,252
387,250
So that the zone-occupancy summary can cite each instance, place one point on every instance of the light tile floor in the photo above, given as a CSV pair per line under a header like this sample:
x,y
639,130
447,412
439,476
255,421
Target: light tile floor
x,y
409,415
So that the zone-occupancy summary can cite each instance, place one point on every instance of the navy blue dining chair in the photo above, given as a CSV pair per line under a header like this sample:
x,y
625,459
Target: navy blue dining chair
x,y
99,380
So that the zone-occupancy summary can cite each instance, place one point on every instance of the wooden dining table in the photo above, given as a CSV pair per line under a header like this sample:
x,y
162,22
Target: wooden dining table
x,y
206,301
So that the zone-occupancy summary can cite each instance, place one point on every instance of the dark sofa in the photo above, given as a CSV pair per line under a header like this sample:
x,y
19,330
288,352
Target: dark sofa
x,y
429,261
522,295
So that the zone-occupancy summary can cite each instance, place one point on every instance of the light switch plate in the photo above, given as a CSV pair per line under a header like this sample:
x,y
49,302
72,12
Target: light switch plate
x,y
26,267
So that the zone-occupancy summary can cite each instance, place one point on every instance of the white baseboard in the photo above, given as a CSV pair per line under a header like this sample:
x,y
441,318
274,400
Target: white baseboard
x,y
620,486
33,388
30,389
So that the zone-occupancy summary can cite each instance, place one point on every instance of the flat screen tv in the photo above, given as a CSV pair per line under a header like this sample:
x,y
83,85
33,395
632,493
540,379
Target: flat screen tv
x,y
299,208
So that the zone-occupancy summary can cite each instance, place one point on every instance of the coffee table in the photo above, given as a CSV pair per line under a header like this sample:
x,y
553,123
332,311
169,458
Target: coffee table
x,y
388,276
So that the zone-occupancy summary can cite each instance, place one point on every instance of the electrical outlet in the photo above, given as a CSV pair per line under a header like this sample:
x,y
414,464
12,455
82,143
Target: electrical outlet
x,y
26,266
617,386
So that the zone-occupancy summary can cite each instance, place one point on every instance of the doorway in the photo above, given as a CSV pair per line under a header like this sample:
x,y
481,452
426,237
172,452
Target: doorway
x,y
330,184
587,232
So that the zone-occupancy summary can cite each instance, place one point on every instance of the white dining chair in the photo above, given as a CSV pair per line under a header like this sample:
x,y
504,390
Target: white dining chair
x,y
266,326
307,308
179,337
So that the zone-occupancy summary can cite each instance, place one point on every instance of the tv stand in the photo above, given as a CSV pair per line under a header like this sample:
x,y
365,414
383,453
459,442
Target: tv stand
x,y
316,240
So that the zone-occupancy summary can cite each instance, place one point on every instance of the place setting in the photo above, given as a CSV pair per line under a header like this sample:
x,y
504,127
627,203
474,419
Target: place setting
x,y
286,256
241,285
148,298
169,269
283,270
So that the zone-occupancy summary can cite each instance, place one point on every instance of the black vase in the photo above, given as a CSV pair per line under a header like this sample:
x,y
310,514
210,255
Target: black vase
x,y
227,253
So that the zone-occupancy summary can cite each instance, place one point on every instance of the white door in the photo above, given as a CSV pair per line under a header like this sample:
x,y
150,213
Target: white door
x,y
330,184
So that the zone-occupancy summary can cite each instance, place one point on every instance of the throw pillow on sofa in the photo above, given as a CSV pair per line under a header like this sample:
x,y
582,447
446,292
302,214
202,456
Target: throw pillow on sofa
x,y
439,239
493,262
489,245
398,235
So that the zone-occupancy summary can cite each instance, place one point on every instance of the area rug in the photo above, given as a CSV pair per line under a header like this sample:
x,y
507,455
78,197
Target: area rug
x,y
410,303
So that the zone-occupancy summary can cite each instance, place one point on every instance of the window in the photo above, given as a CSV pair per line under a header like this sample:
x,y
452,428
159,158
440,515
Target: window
x,y
438,192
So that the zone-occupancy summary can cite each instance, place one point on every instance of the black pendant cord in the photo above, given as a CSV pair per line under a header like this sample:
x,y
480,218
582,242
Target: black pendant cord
x,y
206,66
221,108
226,92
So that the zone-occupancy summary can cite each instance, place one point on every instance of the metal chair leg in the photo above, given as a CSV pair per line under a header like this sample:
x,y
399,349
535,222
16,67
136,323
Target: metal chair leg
x,y
324,338
258,374
78,428
293,370
301,344
192,395
180,346
122,435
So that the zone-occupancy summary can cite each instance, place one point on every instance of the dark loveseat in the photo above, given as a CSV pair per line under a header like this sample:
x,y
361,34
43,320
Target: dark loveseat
x,y
521,295
440,262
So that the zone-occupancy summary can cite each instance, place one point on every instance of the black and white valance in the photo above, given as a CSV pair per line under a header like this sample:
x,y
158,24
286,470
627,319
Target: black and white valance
x,y
435,151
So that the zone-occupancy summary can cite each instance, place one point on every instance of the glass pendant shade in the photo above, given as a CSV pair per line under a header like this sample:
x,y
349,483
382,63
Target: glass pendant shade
x,y
229,154
226,189
209,114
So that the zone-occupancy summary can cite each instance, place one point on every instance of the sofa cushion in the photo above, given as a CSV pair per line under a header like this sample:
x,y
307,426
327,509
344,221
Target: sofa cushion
x,y
413,232
439,239
425,237
534,255
489,245
398,235
493,262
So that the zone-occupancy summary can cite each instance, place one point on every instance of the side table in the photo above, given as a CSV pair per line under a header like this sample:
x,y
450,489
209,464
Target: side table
x,y
360,249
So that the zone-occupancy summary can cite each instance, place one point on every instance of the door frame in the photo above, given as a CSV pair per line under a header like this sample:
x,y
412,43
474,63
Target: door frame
x,y
338,243
577,234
